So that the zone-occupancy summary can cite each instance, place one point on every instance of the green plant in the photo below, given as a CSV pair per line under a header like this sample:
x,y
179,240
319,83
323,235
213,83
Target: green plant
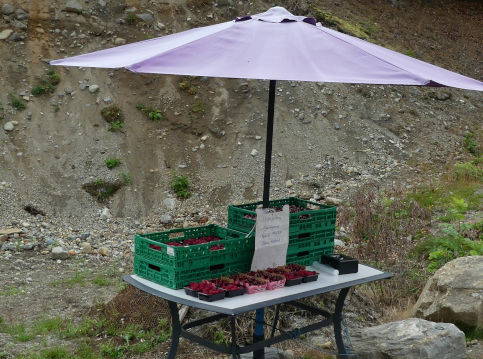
x,y
125,178
152,114
443,248
116,126
112,162
112,113
17,103
187,86
198,107
39,90
100,280
474,333
411,53
470,144
468,171
102,190
131,18
220,338
180,185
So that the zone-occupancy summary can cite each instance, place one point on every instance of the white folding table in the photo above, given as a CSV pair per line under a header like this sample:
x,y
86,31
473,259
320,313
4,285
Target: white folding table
x,y
231,307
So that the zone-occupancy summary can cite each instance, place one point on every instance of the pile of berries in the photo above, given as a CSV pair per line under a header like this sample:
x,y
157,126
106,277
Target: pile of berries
x,y
292,209
193,242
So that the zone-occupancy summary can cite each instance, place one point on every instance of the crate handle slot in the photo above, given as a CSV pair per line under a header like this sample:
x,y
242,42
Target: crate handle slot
x,y
304,217
155,247
304,235
156,268
217,266
304,253
175,235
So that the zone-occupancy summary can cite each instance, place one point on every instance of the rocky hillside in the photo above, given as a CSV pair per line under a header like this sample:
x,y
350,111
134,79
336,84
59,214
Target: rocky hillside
x,y
328,137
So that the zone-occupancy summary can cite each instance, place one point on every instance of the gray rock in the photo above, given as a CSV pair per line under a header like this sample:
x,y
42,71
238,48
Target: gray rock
x,y
333,200
166,219
102,3
170,203
93,88
105,213
119,41
9,126
86,247
84,236
20,14
59,253
16,37
147,18
454,294
73,6
107,99
7,9
5,34
410,339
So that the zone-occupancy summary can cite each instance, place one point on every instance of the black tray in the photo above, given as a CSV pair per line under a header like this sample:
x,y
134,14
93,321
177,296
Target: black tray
x,y
235,293
211,298
191,292
343,263
310,278
291,282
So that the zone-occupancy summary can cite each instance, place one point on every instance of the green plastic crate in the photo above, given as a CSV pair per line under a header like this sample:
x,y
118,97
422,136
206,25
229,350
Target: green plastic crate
x,y
178,278
307,257
237,247
314,227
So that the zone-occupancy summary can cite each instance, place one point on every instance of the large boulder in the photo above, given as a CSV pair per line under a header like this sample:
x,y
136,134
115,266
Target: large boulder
x,y
454,294
410,339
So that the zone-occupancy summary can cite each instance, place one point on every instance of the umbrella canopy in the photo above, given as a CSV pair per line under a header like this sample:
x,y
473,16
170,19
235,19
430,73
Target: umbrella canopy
x,y
273,45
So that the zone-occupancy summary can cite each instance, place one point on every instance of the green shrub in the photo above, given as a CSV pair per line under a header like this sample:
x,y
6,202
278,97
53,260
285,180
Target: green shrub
x,y
470,144
116,126
152,114
39,90
125,178
468,171
112,162
17,103
131,18
180,185
102,190
112,113
443,248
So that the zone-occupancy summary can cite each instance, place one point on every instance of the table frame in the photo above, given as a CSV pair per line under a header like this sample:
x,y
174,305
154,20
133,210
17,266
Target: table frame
x,y
234,349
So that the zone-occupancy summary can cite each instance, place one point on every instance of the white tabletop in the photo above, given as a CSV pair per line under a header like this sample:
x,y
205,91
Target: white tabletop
x,y
325,283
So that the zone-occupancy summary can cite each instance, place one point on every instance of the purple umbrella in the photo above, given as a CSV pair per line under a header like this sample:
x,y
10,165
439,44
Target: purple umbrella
x,y
274,45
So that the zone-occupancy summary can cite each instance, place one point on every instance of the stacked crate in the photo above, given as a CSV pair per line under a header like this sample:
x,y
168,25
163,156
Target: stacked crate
x,y
311,231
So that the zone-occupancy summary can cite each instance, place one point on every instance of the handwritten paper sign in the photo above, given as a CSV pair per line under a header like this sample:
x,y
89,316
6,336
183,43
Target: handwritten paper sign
x,y
271,238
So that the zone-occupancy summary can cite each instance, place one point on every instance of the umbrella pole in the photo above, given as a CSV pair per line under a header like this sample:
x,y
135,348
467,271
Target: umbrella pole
x,y
259,316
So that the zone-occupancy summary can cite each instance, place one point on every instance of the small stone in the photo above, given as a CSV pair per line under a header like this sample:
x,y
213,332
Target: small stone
x,y
318,166
333,200
73,6
8,126
5,34
103,251
170,203
336,126
20,14
254,152
119,41
147,18
59,253
105,213
7,9
86,247
72,252
339,243
93,88
166,219
204,138
102,3
107,99
288,183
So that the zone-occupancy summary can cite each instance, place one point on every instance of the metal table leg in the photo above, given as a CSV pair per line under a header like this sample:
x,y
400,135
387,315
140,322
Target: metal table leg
x,y
176,330
234,346
275,321
337,318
